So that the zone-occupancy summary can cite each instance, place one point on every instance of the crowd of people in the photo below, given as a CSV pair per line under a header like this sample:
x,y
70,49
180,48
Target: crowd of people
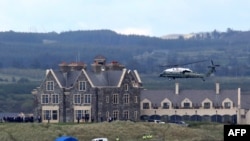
x,y
16,118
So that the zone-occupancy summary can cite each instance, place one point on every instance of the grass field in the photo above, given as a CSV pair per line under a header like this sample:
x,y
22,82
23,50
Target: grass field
x,y
126,130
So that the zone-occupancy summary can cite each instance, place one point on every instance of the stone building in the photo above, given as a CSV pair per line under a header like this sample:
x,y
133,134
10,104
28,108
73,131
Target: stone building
x,y
78,94
75,93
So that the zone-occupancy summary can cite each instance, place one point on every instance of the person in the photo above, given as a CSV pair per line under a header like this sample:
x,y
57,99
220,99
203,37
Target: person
x,y
39,119
117,138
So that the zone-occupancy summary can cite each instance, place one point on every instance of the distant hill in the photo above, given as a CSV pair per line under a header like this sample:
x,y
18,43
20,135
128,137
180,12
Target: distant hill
x,y
144,53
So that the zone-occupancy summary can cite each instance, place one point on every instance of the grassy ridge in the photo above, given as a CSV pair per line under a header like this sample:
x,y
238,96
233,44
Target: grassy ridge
x,y
127,131
154,82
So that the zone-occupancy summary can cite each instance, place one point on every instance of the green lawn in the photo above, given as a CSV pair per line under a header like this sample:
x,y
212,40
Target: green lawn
x,y
127,131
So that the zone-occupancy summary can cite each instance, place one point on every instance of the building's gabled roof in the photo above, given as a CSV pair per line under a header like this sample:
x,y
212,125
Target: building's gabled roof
x,y
135,75
105,78
68,79
196,96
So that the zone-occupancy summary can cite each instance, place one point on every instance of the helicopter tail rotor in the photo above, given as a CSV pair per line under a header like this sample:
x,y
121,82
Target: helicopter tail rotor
x,y
212,68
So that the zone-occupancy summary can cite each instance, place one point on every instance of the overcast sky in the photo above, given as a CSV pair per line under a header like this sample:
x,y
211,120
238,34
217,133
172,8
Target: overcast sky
x,y
143,17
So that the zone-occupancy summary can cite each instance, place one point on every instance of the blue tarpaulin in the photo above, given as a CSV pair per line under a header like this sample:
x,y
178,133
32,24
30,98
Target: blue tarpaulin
x,y
66,138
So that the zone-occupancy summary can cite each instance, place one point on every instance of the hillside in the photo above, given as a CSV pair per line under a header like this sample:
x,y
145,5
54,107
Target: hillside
x,y
46,50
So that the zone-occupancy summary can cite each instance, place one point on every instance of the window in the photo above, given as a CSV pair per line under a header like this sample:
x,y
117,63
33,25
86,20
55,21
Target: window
x,y
54,115
126,115
135,114
165,105
82,114
186,105
77,99
135,84
46,115
207,105
115,99
107,99
87,98
107,115
78,114
115,115
126,87
55,98
50,114
50,86
82,85
145,106
126,98
136,99
45,99
227,105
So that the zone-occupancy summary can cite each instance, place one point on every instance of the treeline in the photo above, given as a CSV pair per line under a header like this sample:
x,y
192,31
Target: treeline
x,y
17,97
46,50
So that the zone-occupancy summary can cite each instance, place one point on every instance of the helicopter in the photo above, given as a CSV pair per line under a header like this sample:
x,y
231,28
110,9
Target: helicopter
x,y
174,71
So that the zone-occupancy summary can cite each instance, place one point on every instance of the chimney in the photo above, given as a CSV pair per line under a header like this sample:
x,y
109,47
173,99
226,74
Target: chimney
x,y
217,88
176,88
239,98
76,66
99,64
64,67
114,65
238,111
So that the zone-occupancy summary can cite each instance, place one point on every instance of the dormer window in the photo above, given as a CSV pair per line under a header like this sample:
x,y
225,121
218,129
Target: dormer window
x,y
207,105
50,86
227,105
145,105
82,85
165,105
186,105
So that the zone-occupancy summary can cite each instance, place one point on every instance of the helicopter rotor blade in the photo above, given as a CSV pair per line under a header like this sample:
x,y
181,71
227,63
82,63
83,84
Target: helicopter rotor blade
x,y
177,65
213,66
193,62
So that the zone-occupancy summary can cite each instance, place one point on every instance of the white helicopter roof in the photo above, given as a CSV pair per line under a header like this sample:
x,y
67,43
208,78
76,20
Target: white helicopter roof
x,y
179,69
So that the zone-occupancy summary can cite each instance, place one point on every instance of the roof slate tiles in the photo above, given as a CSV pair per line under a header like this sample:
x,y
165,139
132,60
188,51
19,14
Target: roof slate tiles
x,y
196,96
105,78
